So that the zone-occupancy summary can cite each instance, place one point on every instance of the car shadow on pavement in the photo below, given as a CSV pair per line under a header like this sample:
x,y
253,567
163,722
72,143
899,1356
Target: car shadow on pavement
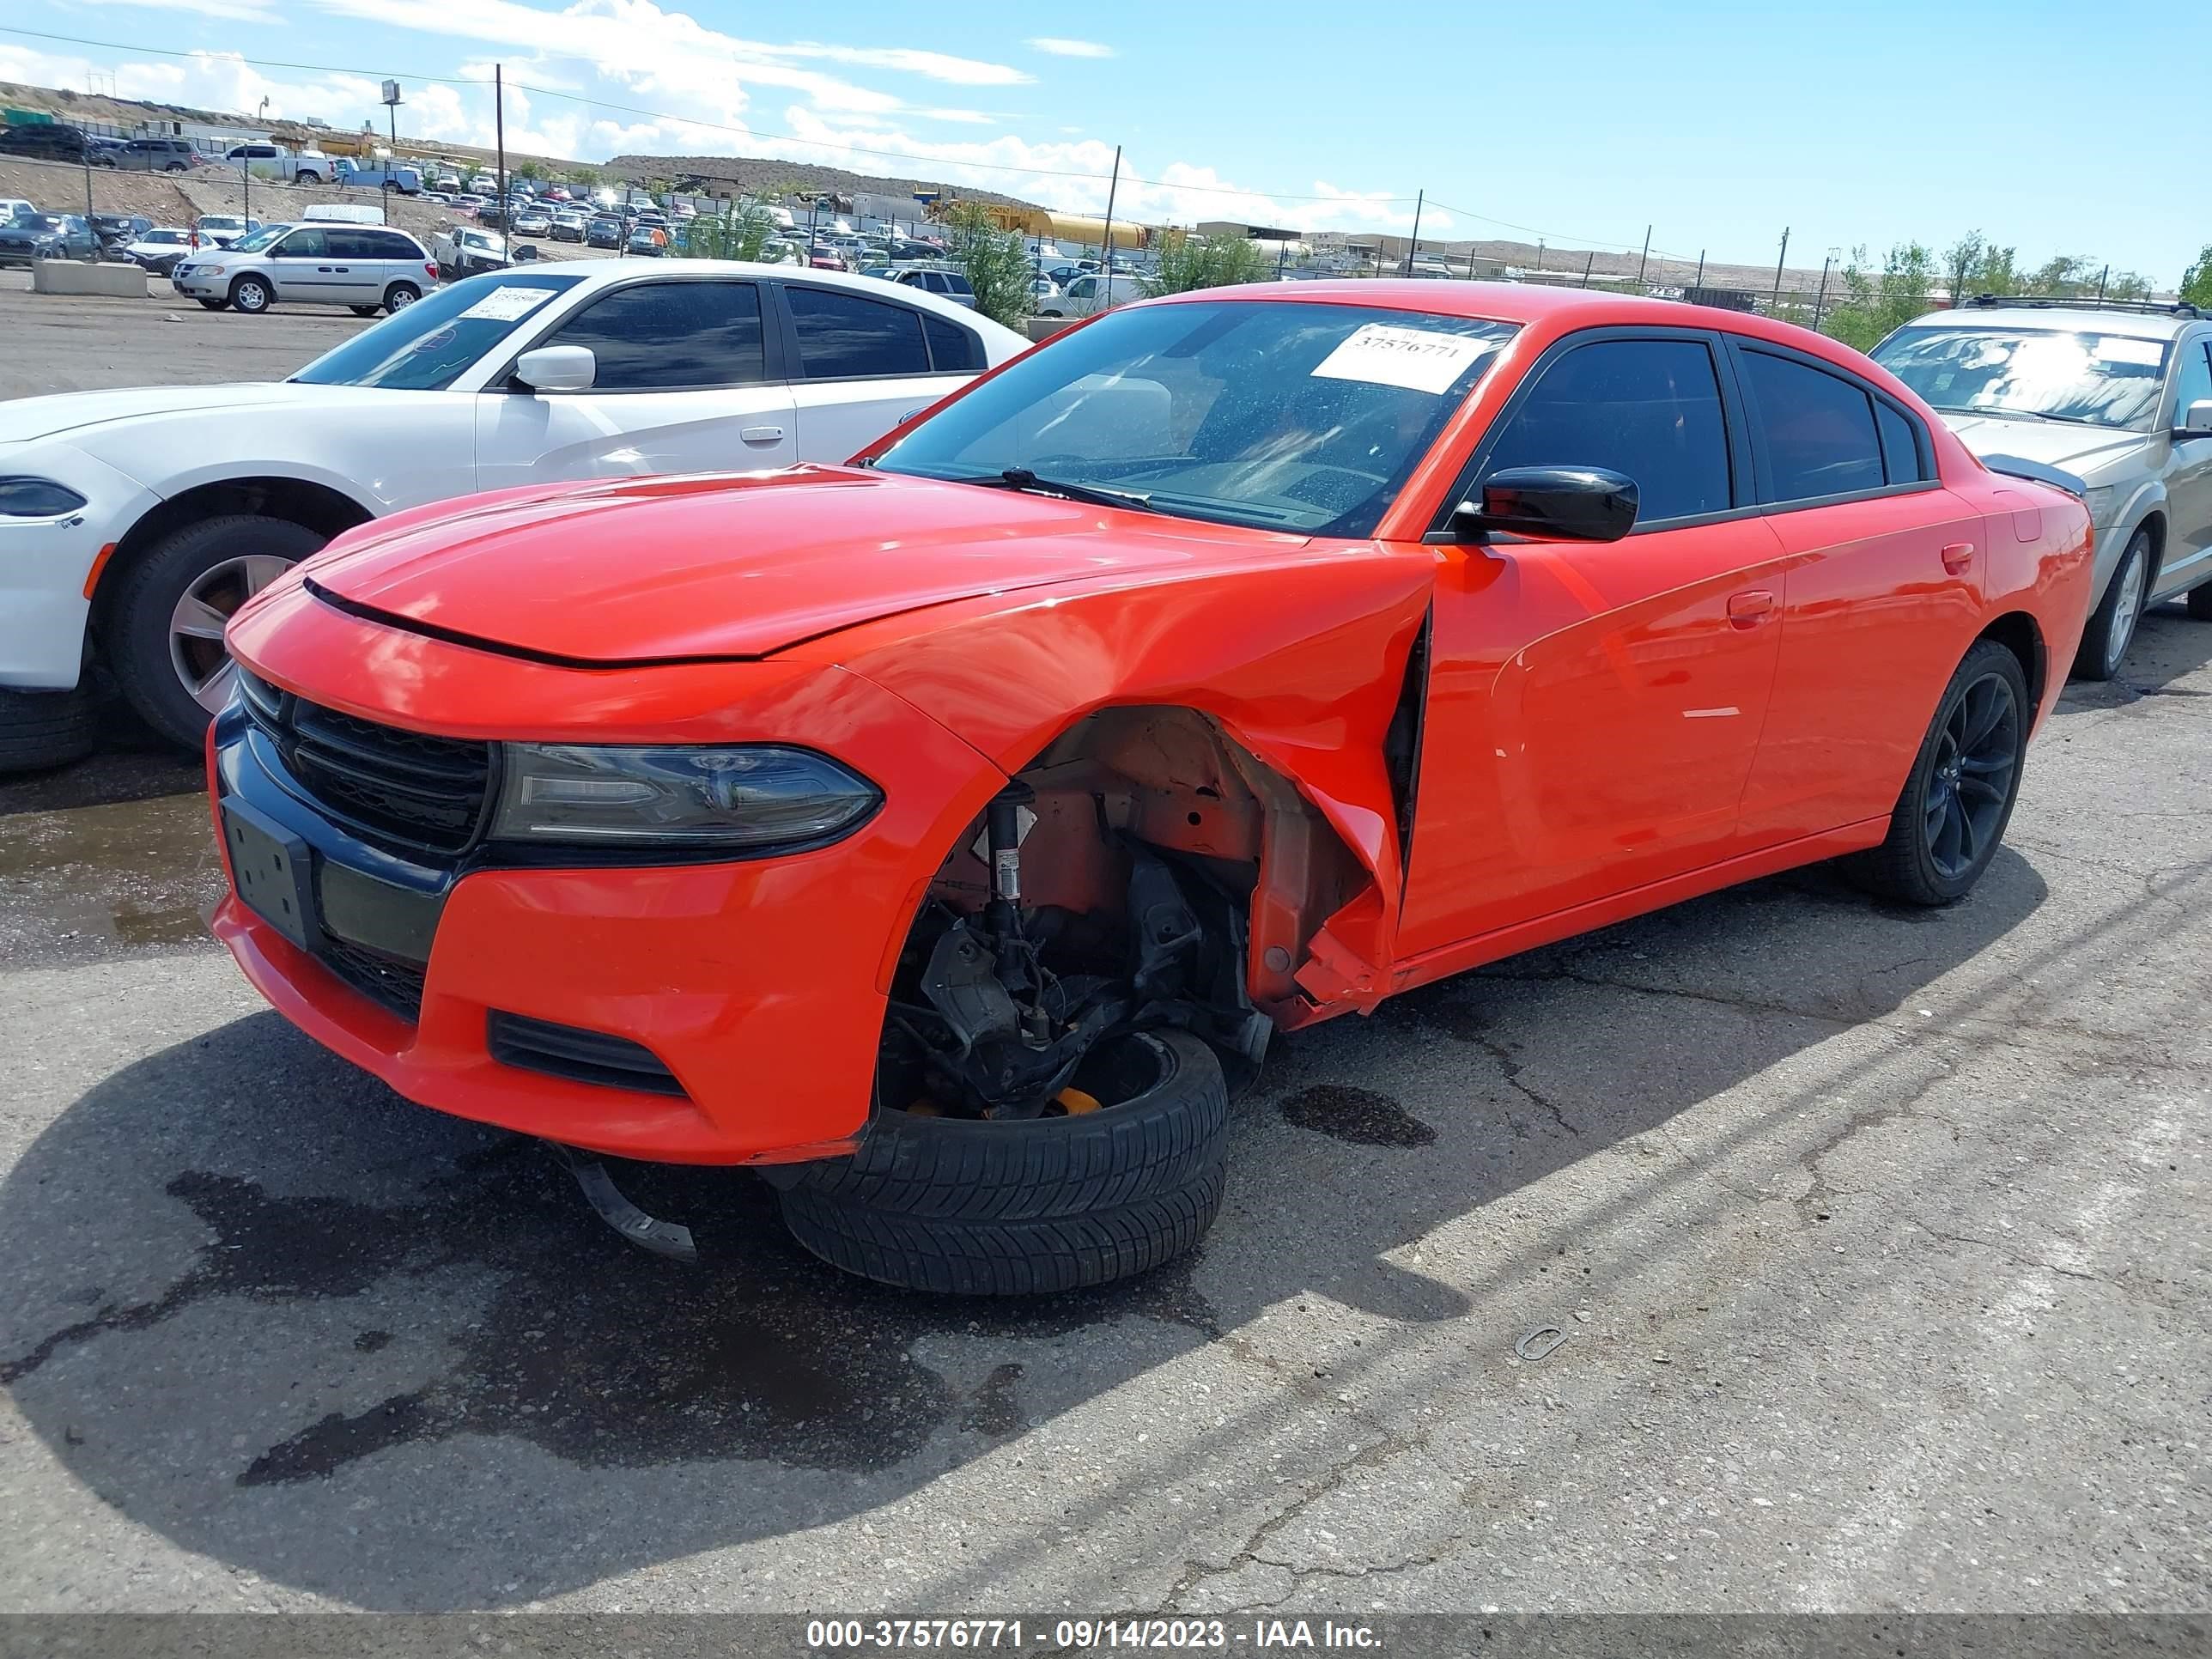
x,y
259,1304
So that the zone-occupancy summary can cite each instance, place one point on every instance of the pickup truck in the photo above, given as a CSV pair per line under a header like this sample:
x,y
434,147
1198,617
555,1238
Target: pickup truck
x,y
375,176
299,166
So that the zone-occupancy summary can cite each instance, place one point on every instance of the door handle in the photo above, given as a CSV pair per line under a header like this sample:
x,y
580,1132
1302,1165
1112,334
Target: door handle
x,y
1749,610
760,434
1958,556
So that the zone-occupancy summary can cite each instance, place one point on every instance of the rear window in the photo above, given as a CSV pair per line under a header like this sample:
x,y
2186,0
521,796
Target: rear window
x,y
952,350
845,337
1820,429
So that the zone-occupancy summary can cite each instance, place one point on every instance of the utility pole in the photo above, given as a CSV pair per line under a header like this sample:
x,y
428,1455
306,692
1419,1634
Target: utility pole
x,y
1588,266
91,252
499,137
1700,282
1106,262
2102,279
1539,253
1414,246
1646,261
1774,304
1820,305
392,153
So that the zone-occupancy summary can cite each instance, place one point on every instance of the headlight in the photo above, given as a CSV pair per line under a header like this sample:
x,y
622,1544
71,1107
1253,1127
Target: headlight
x,y
37,498
751,798
2098,500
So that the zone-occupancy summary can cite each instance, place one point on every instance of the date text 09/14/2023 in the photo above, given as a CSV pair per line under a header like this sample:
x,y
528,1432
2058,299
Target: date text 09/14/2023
x,y
1080,1635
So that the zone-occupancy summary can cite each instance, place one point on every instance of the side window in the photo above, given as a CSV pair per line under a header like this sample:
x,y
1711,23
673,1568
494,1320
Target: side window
x,y
952,350
659,336
1819,428
390,245
304,245
1900,446
2195,376
351,245
1648,409
843,335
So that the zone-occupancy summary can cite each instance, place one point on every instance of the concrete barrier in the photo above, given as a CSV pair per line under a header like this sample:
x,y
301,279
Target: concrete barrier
x,y
1043,328
70,277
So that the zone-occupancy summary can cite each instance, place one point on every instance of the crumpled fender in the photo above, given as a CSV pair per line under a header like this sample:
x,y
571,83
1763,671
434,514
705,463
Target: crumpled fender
x,y
1301,664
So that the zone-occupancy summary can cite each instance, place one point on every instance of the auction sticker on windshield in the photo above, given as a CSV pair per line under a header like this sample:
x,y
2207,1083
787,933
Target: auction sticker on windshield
x,y
504,305
1418,359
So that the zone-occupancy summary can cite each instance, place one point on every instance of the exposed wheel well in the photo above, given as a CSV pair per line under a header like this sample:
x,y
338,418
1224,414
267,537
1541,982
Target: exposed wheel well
x,y
2016,631
311,506
2155,523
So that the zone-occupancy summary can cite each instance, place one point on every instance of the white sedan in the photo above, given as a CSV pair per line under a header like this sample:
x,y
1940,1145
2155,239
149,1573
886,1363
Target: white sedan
x,y
132,523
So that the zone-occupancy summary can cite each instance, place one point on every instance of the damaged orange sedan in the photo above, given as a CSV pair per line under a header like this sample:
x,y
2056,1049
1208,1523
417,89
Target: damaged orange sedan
x,y
944,833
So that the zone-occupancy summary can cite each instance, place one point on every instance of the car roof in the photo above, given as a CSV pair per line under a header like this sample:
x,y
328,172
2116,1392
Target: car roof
x,y
610,273
2086,318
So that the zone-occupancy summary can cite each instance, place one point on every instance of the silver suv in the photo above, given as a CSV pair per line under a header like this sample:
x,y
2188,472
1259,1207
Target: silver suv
x,y
368,268
2120,395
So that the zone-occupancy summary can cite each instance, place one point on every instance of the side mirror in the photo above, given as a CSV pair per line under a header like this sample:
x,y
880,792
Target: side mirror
x,y
558,368
2196,420
1556,503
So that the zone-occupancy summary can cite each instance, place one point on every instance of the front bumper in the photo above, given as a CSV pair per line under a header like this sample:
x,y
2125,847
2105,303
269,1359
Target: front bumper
x,y
758,985
196,281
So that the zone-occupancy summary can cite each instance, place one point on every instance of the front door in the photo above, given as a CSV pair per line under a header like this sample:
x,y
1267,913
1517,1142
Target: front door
x,y
1593,709
682,386
2188,560
302,269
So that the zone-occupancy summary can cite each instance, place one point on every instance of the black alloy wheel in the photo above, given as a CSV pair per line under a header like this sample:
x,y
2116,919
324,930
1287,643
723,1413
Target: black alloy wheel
x,y
1971,786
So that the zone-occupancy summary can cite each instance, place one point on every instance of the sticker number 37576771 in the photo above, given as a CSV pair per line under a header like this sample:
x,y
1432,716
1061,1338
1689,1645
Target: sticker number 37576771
x,y
1418,359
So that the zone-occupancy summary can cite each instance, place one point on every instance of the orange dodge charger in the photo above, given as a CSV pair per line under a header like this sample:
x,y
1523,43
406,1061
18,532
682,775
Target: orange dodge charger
x,y
946,832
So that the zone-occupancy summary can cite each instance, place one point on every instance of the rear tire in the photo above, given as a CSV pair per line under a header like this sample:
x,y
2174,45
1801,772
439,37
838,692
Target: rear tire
x,y
251,295
1960,794
215,305
2112,627
142,650
46,728
362,311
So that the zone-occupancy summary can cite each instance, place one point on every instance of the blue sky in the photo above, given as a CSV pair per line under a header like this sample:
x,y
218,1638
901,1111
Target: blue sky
x,y
1582,120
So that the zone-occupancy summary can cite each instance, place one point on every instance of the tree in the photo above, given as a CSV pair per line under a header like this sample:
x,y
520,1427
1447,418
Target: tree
x,y
1972,267
2197,281
995,263
1876,301
1195,262
527,170
743,233
2064,274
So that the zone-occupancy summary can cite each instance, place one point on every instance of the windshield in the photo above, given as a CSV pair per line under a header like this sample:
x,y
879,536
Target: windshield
x,y
2094,379
426,346
1287,416
257,241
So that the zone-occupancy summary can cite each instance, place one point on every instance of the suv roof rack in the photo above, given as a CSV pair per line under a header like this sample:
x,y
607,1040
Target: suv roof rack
x,y
2079,302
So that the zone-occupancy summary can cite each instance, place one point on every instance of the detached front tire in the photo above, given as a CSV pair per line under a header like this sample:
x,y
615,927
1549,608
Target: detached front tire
x,y
970,1208
1959,795
38,729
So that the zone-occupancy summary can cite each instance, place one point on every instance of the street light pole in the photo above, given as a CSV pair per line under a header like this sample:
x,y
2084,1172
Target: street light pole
x,y
391,155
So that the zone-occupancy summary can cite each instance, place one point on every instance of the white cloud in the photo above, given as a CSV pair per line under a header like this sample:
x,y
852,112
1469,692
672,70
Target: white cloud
x,y
228,11
1058,46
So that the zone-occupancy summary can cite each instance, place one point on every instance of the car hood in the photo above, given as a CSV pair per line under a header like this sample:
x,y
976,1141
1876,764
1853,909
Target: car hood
x,y
2054,443
738,565
23,420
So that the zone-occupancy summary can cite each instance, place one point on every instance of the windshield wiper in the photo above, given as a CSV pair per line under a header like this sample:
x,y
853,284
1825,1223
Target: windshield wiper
x,y
1020,478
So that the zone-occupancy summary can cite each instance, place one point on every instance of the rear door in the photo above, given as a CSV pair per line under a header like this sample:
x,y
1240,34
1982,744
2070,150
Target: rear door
x,y
1883,597
688,380
864,364
1595,709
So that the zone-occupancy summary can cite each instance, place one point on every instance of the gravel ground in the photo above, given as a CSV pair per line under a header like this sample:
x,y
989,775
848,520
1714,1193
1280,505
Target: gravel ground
x,y
1878,1239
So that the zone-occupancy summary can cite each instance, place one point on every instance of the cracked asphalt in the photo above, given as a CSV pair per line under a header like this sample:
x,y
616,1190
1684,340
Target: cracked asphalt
x,y
1878,1241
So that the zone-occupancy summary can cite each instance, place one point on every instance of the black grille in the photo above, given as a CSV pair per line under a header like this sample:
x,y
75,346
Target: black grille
x,y
581,1056
388,980
406,787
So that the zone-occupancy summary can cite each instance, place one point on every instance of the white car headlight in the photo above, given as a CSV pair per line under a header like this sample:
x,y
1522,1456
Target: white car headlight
x,y
751,798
